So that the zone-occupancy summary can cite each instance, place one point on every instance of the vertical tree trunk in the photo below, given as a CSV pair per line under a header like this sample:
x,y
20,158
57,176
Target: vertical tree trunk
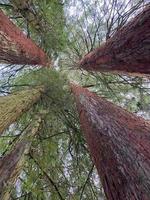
x,y
15,47
127,51
13,106
11,165
119,143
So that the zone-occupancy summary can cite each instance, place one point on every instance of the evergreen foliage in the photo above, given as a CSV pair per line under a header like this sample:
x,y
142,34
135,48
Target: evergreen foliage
x,y
58,165
42,20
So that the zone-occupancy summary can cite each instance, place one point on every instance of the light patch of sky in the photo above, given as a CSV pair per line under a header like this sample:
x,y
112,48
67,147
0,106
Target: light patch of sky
x,y
4,1
74,9
2,69
18,184
18,188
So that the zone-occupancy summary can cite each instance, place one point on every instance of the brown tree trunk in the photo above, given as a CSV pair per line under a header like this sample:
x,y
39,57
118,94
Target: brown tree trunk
x,y
16,48
119,143
13,106
128,51
11,165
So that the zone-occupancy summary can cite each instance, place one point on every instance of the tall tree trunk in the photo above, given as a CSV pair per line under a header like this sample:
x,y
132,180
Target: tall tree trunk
x,y
16,48
11,165
128,51
13,106
119,143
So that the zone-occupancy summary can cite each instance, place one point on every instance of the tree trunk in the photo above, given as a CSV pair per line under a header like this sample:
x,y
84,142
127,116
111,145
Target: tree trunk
x,y
13,106
11,165
128,51
16,48
119,143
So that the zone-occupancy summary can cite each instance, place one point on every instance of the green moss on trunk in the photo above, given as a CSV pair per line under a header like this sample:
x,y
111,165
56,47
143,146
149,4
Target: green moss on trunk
x,y
12,106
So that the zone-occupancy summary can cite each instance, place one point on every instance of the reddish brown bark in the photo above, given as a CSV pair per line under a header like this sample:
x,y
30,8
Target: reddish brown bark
x,y
127,51
16,48
119,143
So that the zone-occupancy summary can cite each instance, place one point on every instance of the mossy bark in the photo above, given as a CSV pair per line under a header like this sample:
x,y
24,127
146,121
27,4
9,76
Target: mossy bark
x,y
128,51
14,105
119,143
16,48
11,165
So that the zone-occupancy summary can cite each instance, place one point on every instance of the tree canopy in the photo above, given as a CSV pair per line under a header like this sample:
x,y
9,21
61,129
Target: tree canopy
x,y
58,164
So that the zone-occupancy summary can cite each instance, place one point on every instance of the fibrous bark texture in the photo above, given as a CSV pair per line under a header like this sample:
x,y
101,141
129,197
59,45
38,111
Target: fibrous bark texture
x,y
119,143
13,106
11,165
128,51
16,48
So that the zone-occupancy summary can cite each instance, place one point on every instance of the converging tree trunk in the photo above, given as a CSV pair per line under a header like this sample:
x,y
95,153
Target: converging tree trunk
x,y
127,51
11,165
15,47
14,105
119,143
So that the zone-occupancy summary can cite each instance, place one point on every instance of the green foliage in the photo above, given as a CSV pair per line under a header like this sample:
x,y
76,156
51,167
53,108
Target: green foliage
x,y
50,25
58,163
52,12
57,93
43,20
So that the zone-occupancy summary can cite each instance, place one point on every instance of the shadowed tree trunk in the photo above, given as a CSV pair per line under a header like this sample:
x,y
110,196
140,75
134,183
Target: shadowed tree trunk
x,y
11,165
13,106
15,47
119,143
128,51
